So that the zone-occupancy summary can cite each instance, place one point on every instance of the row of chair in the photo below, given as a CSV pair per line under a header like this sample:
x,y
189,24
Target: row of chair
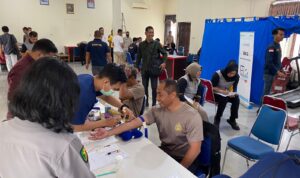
x,y
267,129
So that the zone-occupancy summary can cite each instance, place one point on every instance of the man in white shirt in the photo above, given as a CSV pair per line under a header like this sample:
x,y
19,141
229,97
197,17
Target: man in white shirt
x,y
118,48
104,37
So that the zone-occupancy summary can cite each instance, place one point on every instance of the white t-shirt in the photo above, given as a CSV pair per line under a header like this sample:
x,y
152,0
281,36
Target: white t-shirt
x,y
105,39
117,43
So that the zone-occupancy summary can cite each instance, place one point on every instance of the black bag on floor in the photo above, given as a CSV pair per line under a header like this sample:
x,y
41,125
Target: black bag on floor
x,y
212,135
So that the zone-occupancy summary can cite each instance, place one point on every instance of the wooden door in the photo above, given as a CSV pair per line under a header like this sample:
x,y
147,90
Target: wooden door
x,y
183,36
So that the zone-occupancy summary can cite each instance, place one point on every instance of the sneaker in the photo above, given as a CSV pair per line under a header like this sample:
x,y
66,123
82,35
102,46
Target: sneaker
x,y
233,124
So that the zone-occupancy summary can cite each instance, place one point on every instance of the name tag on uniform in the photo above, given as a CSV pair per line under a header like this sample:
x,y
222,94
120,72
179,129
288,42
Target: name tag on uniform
x,y
271,50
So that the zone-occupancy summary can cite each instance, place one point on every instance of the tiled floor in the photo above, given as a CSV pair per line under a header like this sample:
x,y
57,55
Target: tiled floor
x,y
235,165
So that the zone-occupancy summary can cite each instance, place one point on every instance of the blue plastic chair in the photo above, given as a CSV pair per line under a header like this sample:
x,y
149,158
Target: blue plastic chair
x,y
268,127
128,57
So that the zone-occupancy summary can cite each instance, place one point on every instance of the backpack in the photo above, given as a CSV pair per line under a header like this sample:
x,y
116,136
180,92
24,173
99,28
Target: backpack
x,y
210,156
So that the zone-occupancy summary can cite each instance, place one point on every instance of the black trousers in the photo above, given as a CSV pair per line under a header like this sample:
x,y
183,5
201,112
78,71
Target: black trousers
x,y
222,101
146,76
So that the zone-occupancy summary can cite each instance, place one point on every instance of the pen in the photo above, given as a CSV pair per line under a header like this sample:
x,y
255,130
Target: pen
x,y
115,151
106,173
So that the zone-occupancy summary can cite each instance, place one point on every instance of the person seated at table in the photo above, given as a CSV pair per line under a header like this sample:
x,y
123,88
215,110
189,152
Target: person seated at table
x,y
102,85
132,94
224,83
179,125
38,141
190,88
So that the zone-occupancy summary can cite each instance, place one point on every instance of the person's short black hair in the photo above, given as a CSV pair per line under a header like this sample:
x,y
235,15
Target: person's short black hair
x,y
47,94
97,34
5,29
148,28
101,28
134,39
114,73
120,31
276,30
33,34
25,28
157,39
170,86
45,46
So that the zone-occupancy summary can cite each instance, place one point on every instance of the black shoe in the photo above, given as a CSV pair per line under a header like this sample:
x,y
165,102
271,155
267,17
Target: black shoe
x,y
233,124
147,104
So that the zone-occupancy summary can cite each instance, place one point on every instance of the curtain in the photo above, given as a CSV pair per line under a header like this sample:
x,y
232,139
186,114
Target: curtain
x,y
221,44
289,8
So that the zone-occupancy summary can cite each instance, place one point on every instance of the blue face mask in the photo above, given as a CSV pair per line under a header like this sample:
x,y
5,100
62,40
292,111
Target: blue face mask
x,y
107,93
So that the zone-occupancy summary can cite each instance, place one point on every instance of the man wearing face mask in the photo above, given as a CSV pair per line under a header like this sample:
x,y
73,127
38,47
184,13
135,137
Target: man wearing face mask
x,y
41,48
110,78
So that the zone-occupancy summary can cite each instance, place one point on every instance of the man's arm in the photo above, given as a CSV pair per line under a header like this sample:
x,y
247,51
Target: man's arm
x,y
108,57
103,133
111,100
191,154
90,125
87,59
163,52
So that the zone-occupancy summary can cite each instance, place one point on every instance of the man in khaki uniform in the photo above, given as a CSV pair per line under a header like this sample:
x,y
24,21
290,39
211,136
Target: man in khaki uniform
x,y
179,126
38,142
39,152
132,94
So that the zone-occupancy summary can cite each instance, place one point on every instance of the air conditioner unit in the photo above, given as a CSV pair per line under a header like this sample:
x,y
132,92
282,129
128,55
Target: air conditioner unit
x,y
139,4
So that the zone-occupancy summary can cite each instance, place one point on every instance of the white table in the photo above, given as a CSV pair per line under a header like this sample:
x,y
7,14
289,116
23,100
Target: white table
x,y
145,160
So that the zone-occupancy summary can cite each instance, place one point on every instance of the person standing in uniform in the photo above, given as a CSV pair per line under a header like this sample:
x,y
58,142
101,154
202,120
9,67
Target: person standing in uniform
x,y
224,84
98,52
152,65
273,60
39,140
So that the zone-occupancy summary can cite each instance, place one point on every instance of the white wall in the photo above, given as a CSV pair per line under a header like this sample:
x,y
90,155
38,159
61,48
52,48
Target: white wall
x,y
52,21
196,11
64,29
138,19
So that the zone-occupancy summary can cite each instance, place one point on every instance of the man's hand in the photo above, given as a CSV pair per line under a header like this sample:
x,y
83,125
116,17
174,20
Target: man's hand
x,y
163,66
128,114
98,134
225,92
1,55
87,66
281,74
111,122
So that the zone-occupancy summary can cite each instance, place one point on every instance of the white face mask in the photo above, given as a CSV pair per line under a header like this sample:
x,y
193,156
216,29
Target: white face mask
x,y
107,93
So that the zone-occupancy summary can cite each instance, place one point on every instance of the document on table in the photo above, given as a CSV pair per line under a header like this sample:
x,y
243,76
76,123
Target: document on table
x,y
90,144
229,94
103,156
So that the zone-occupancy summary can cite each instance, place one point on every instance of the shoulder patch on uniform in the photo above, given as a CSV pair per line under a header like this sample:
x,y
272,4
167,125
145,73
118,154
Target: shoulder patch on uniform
x,y
84,154
271,50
